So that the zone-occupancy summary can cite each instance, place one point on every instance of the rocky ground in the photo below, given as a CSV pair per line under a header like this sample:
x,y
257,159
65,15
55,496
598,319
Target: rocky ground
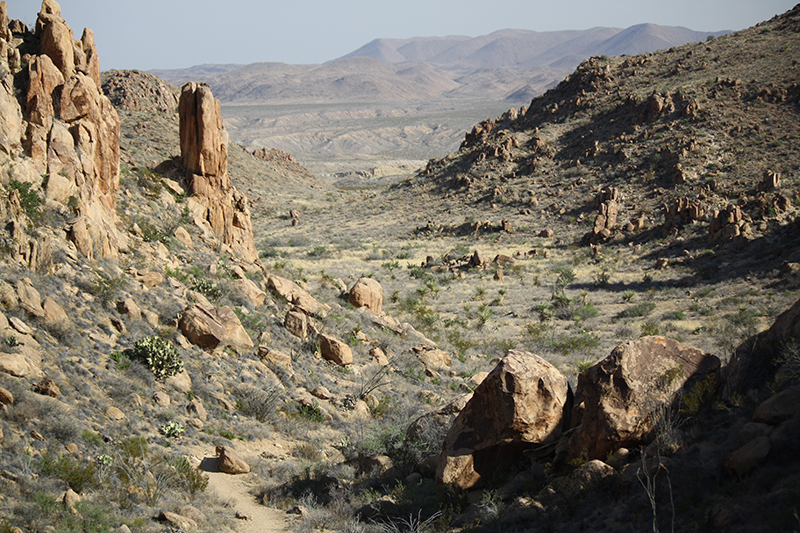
x,y
308,386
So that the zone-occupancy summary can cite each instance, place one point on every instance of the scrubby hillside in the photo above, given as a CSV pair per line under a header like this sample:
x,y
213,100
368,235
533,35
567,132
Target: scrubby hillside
x,y
423,357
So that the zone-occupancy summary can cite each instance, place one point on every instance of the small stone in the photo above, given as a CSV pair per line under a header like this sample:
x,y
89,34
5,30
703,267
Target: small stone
x,y
115,414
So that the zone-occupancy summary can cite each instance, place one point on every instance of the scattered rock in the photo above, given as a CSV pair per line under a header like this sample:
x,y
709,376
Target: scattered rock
x,y
335,350
195,408
782,406
208,328
161,399
46,387
6,398
368,293
230,463
621,392
115,414
177,521
747,457
519,406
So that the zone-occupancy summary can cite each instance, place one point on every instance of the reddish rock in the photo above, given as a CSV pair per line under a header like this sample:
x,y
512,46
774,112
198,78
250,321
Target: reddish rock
x,y
367,293
519,406
335,350
621,392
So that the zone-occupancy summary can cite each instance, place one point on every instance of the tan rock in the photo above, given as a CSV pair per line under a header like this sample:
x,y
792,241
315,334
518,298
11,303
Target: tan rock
x,y
748,456
201,327
54,313
15,365
180,382
92,59
177,521
519,406
621,392
208,328
478,378
162,399
8,296
250,291
115,414
368,293
29,298
129,307
296,323
782,406
195,408
20,326
294,294
183,237
70,498
433,358
334,350
230,463
57,45
6,398
277,361
204,152
322,393
379,356
47,387
149,279
189,511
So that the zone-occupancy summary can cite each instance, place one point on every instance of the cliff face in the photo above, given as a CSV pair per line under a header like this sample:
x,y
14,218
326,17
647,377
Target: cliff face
x,y
214,201
62,122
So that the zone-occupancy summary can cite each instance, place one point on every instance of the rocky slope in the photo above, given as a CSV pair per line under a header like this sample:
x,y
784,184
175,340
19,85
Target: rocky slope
x,y
482,348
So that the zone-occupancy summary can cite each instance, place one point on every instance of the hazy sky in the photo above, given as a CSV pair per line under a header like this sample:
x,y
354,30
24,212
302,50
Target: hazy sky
x,y
152,34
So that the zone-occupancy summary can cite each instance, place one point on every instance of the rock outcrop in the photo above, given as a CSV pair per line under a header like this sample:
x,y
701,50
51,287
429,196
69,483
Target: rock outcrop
x,y
520,405
621,393
69,130
368,293
217,206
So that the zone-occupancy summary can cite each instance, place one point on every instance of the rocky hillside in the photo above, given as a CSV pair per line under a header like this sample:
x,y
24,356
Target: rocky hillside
x,y
512,340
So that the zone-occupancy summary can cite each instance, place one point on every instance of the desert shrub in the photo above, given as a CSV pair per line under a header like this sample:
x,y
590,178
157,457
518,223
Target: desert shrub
x,y
207,288
29,199
311,412
151,233
261,404
105,287
642,309
567,344
587,311
159,355
673,315
188,478
78,474
649,328
171,429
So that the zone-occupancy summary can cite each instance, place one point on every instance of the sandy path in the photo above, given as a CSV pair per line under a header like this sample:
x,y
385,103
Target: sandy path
x,y
236,489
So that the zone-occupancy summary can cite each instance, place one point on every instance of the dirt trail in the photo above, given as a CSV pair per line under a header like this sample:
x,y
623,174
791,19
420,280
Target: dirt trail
x,y
237,489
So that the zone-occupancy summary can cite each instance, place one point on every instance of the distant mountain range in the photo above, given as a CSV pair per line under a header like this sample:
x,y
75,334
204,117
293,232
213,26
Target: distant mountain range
x,y
512,65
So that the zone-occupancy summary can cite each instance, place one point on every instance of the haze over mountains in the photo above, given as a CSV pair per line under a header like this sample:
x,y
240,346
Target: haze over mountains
x,y
507,64
389,106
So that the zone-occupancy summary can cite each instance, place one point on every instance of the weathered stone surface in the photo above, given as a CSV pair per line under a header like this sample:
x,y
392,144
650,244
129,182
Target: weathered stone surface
x,y
162,399
782,406
29,298
208,328
297,324
230,463
54,313
183,237
195,408
368,293
129,307
6,398
204,152
177,521
115,413
296,295
201,327
433,358
748,456
46,387
621,392
520,405
335,350
14,364
250,291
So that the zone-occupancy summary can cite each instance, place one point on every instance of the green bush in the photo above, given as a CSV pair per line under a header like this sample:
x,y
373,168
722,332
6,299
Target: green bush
x,y
159,355
642,309
28,199
78,475
311,412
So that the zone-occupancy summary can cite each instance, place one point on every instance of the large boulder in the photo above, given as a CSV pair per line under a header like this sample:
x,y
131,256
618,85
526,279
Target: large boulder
x,y
204,151
754,361
296,295
622,393
208,328
519,406
334,350
230,462
367,293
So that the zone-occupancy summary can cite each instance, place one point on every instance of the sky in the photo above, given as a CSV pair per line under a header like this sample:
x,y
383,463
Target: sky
x,y
166,34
